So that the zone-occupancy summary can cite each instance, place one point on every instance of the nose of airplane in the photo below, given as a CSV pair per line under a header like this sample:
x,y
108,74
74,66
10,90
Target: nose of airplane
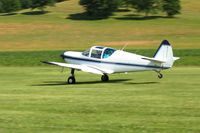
x,y
65,54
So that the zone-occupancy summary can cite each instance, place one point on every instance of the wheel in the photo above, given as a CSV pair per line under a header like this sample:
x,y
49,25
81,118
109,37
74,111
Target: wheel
x,y
160,76
71,80
104,78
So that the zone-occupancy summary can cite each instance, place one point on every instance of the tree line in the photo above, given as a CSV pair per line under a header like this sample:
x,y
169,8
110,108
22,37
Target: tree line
x,y
7,6
99,8
105,8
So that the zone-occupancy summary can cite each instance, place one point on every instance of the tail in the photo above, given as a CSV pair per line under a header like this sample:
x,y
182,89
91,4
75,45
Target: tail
x,y
165,53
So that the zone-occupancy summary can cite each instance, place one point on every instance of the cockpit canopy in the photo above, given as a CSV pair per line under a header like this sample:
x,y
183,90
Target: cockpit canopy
x,y
99,52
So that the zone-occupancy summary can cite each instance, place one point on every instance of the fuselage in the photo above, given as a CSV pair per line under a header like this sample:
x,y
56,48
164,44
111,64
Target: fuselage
x,y
118,61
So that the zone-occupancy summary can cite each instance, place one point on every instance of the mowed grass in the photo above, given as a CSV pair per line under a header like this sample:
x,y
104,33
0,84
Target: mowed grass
x,y
63,28
37,99
188,57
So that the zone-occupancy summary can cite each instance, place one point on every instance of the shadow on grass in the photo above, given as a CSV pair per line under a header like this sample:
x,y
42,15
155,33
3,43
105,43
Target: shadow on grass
x,y
100,82
123,10
83,16
8,14
51,83
57,83
60,83
35,13
139,17
142,83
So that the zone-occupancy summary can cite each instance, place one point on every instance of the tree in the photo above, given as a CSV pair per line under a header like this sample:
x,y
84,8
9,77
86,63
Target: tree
x,y
60,0
100,8
8,6
171,7
25,4
1,6
146,6
41,4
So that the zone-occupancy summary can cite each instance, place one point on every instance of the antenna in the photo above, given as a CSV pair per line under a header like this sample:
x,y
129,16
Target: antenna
x,y
125,45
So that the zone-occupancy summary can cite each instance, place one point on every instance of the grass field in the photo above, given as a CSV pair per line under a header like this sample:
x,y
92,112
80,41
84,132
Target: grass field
x,y
35,99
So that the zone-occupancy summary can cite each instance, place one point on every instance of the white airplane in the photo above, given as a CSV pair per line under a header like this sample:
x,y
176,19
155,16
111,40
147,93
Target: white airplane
x,y
104,61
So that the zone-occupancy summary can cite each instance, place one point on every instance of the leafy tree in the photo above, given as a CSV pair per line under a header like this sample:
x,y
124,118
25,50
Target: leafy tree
x,y
100,8
171,7
1,6
25,4
41,4
146,6
8,6
60,0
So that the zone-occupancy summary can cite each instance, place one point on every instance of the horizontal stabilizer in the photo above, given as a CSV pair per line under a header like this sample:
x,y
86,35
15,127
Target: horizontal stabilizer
x,y
176,58
153,60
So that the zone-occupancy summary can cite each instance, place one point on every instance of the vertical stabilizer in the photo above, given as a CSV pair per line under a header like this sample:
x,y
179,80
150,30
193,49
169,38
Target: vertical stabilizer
x,y
165,53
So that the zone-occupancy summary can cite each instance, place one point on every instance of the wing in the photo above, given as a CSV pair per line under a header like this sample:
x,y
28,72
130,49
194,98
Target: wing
x,y
84,68
153,60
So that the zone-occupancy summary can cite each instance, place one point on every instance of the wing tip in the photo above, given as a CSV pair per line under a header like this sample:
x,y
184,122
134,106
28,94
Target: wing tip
x,y
43,61
46,62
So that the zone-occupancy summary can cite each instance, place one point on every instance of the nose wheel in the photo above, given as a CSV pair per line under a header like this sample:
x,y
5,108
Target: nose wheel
x,y
104,78
71,79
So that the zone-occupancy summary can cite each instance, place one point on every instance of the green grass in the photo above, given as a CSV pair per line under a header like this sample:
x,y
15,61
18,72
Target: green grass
x,y
190,57
56,31
36,99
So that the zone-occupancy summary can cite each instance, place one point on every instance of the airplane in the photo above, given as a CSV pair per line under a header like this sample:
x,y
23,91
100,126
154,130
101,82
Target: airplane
x,y
105,60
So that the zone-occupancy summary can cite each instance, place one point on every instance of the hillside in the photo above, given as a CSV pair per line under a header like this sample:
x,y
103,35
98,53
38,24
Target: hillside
x,y
62,27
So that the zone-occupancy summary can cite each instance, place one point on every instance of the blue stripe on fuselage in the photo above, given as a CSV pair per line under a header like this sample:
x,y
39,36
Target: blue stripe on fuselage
x,y
115,63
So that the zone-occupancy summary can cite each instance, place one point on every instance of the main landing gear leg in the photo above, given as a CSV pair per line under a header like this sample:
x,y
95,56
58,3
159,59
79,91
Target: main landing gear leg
x,y
71,79
105,78
160,75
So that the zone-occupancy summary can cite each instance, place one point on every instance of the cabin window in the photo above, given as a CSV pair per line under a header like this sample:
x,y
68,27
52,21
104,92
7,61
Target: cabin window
x,y
86,53
108,52
96,53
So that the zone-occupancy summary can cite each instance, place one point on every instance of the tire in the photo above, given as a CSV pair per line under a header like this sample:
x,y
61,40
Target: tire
x,y
71,80
160,76
104,78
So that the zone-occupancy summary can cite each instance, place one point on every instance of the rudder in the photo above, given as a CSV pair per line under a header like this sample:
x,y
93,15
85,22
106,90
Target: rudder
x,y
165,53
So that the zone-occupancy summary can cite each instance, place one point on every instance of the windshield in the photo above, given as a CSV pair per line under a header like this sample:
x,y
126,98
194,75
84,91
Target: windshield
x,y
86,53
108,52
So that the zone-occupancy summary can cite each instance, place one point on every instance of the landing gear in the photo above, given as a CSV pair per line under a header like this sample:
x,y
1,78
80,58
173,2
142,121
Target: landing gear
x,y
160,75
71,79
104,78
